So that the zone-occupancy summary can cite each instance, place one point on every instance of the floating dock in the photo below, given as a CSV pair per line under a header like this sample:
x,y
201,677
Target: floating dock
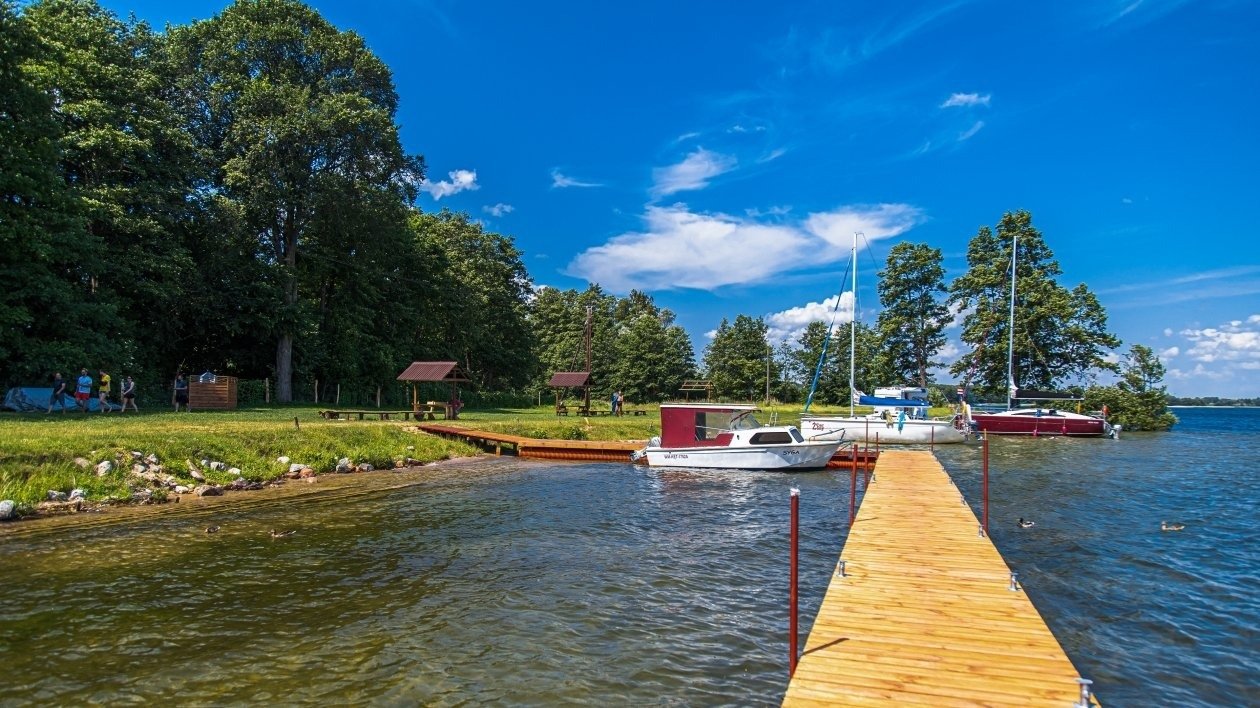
x,y
927,612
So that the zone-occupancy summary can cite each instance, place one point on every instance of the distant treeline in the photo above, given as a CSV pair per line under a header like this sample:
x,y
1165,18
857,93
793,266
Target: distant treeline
x,y
1212,401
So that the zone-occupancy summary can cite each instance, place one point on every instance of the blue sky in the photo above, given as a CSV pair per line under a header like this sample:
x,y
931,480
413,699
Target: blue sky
x,y
719,155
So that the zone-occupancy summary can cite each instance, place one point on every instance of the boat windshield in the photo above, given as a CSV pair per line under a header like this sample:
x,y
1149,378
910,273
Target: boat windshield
x,y
744,421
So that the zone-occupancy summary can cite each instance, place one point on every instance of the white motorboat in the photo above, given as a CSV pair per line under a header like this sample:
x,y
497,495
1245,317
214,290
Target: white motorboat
x,y
728,436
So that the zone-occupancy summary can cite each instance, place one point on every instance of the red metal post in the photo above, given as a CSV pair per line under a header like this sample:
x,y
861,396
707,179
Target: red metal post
x,y
985,485
853,488
796,513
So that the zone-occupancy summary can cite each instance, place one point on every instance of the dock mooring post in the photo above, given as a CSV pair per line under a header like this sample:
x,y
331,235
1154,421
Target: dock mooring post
x,y
792,568
985,481
853,487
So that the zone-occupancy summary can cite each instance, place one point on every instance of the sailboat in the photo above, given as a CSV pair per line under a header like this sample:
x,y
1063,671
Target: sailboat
x,y
1039,420
900,415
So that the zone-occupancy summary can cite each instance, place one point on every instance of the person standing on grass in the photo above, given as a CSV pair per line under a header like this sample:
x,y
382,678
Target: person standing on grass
x,y
83,390
104,392
59,390
129,395
181,393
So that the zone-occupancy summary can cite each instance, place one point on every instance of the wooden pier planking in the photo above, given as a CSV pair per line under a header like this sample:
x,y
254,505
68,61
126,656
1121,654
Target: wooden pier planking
x,y
924,614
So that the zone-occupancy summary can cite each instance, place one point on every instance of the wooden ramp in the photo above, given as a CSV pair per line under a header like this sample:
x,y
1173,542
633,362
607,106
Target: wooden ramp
x,y
925,614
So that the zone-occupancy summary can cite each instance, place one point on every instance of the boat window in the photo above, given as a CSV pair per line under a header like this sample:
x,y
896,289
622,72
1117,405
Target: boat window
x,y
771,437
744,421
796,434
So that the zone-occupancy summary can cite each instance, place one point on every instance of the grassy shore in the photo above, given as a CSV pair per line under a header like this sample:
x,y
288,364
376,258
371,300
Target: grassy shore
x,y
60,452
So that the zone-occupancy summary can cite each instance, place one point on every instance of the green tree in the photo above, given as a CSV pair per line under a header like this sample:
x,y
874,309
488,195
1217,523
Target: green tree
x,y
296,119
127,163
1059,334
912,322
652,355
1137,401
735,361
484,305
50,316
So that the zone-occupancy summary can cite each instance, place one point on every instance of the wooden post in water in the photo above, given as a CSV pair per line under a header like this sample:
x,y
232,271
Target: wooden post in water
x,y
792,568
853,487
985,483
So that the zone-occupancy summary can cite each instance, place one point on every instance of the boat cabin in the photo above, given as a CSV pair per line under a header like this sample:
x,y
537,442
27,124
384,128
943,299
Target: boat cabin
x,y
716,425
912,400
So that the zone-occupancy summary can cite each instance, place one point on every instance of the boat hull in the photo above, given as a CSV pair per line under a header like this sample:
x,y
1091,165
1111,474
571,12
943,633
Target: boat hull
x,y
1082,427
871,430
800,456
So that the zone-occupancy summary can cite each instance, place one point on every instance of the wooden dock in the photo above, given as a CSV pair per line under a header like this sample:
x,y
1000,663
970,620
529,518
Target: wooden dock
x,y
540,449
925,613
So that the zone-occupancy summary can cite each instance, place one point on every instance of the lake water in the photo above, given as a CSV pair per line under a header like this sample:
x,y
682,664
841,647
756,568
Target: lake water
x,y
525,583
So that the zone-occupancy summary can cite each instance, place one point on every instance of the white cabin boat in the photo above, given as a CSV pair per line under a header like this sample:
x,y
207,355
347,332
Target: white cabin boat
x,y
727,436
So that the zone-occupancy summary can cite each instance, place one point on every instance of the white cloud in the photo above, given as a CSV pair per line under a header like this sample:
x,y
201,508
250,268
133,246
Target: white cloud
x,y
561,181
1170,352
679,248
694,172
1167,331
772,156
872,221
966,99
499,209
957,313
1126,200
971,131
461,180
790,323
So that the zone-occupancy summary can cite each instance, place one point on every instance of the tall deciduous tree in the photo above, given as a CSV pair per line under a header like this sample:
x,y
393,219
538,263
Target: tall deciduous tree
x,y
126,161
652,355
1138,401
912,322
483,299
735,361
296,117
1059,334
49,315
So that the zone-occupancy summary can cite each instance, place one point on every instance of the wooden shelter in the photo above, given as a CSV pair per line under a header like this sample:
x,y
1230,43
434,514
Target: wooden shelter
x,y
562,381
208,392
696,386
436,372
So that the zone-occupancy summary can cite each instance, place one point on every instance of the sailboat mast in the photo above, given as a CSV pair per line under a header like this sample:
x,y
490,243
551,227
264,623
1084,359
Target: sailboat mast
x,y
853,328
1010,341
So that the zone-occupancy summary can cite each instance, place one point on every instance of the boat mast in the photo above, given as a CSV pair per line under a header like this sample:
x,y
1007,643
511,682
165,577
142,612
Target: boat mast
x,y
853,328
1010,341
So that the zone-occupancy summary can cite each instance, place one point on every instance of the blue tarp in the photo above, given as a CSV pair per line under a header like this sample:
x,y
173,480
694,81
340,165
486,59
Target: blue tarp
x,y
27,400
898,402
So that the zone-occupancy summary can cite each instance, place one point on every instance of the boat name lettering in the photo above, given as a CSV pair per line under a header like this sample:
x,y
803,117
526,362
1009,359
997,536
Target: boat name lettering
x,y
675,456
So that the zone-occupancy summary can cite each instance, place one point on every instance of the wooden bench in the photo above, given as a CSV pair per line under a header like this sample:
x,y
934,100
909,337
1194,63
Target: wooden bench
x,y
382,415
430,410
635,411
562,409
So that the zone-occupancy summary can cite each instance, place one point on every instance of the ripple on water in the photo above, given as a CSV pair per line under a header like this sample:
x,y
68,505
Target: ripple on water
x,y
533,584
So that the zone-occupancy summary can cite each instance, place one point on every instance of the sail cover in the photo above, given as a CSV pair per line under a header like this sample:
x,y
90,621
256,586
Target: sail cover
x,y
865,400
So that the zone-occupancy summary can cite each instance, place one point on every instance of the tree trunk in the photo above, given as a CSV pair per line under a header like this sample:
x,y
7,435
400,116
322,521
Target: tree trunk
x,y
284,369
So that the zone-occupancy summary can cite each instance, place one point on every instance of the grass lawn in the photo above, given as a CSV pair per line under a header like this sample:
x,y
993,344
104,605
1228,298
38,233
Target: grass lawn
x,y
38,452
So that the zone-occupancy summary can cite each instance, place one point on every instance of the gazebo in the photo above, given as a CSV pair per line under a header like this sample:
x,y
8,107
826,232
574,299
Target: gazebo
x,y
436,372
562,381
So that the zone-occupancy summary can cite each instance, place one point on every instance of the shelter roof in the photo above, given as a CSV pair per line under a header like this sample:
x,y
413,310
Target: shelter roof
x,y
433,371
568,379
